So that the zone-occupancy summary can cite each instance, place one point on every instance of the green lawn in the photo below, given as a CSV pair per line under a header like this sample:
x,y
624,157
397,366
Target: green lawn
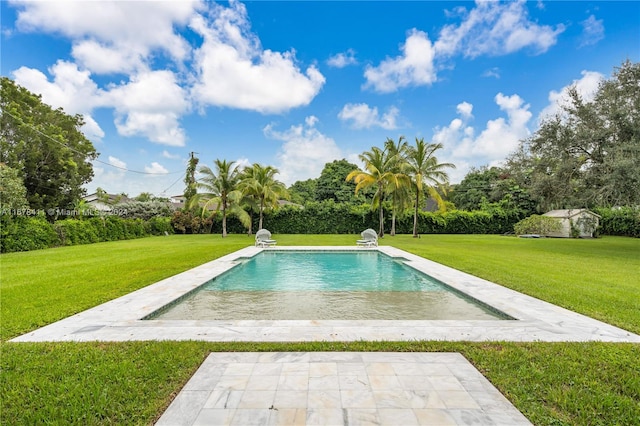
x,y
133,382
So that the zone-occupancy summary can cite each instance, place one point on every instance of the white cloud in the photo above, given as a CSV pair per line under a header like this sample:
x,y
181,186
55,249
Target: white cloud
x,y
156,169
242,162
495,142
414,67
170,156
491,28
304,152
116,162
362,116
495,28
112,36
586,86
343,59
465,109
501,136
103,59
592,31
493,72
150,105
71,89
234,71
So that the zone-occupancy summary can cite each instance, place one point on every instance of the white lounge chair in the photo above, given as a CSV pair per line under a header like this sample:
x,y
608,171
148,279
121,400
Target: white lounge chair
x,y
369,238
263,239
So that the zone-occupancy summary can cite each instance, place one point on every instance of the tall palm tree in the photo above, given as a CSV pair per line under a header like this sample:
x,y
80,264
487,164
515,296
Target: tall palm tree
x,y
221,191
399,187
426,173
379,174
260,183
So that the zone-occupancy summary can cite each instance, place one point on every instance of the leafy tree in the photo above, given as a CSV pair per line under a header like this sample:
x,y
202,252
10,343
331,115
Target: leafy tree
x,y
13,194
303,191
102,195
45,145
588,154
260,183
477,185
426,173
332,185
222,192
144,197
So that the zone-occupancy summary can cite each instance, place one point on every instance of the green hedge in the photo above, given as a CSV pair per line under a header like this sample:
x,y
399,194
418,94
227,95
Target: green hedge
x,y
328,217
623,221
23,233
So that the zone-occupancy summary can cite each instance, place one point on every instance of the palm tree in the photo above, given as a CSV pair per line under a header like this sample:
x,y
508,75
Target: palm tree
x,y
378,173
399,187
260,183
426,173
221,191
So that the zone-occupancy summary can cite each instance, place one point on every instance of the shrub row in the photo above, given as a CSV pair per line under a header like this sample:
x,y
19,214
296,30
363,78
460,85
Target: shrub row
x,y
23,233
623,221
337,218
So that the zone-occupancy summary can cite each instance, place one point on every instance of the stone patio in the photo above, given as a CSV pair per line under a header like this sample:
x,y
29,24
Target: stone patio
x,y
339,388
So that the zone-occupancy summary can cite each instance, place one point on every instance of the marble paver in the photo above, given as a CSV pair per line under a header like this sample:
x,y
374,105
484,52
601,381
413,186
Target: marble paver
x,y
349,388
534,320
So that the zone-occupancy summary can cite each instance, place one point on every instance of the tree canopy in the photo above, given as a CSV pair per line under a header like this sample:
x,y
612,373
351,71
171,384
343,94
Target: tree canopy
x,y
52,156
588,154
13,194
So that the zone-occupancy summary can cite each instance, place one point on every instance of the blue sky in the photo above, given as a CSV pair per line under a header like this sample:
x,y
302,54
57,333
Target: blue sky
x,y
296,84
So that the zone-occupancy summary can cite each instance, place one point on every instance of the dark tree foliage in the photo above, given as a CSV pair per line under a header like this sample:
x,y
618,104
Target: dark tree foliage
x,y
45,145
476,186
588,154
491,185
332,185
303,191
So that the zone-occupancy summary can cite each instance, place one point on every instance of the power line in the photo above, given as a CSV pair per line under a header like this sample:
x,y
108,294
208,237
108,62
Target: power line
x,y
82,153
169,187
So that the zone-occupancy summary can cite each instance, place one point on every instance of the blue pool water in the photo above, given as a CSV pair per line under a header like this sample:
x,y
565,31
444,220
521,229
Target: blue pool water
x,y
323,271
307,285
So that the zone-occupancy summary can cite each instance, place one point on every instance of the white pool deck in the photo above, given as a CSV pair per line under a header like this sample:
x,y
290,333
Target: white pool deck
x,y
334,388
121,318
339,388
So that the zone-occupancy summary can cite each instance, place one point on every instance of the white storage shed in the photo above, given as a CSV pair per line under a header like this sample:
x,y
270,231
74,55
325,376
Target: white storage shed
x,y
582,222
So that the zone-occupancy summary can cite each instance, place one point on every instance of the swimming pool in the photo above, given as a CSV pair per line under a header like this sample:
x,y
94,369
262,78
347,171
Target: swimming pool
x,y
124,318
317,285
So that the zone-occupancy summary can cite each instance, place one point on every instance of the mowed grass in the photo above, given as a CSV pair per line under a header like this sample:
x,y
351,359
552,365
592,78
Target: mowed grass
x,y
43,286
133,382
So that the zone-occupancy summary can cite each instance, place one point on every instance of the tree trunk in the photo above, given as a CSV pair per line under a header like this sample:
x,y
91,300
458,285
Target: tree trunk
x,y
224,218
393,224
224,223
381,218
261,211
415,215
250,223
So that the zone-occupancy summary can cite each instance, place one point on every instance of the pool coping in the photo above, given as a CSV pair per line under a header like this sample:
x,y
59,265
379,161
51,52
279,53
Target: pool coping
x,y
120,319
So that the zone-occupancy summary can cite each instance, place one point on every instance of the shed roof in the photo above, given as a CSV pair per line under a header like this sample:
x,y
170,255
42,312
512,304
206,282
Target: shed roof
x,y
569,213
